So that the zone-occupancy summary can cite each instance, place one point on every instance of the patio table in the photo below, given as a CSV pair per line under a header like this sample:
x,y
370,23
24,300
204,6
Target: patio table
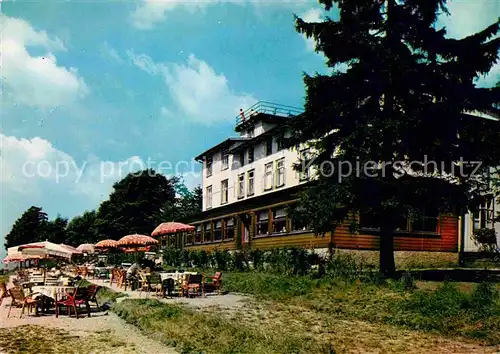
x,y
52,291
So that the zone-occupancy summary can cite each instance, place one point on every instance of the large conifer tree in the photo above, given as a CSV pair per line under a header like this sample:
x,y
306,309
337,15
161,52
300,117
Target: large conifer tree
x,y
402,99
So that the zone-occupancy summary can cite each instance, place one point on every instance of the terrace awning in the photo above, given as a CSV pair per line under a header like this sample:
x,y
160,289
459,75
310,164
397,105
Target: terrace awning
x,y
47,249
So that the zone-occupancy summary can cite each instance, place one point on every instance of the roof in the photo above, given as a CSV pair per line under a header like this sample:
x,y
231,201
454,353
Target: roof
x,y
264,111
218,147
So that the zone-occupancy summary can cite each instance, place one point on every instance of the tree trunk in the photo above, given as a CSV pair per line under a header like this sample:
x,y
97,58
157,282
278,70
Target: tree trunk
x,y
386,259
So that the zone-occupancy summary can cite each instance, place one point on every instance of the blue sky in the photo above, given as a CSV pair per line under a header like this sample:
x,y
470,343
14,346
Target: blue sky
x,y
88,84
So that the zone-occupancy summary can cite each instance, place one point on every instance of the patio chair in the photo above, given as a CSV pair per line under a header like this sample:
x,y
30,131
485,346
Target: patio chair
x,y
194,285
215,282
3,292
155,283
143,283
168,286
74,301
20,300
91,294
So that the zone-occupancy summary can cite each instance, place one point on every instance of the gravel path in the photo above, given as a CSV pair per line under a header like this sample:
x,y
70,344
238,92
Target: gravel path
x,y
227,301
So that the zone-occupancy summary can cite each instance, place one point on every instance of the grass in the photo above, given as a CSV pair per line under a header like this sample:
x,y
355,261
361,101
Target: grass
x,y
446,310
43,340
195,332
303,315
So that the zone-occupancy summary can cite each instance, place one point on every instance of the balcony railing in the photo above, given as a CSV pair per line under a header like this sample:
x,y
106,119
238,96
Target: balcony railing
x,y
274,109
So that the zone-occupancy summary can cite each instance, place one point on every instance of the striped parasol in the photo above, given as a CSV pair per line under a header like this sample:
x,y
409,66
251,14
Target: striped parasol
x,y
106,244
136,241
171,228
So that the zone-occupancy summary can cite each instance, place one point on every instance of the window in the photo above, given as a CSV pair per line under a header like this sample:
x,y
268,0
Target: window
x,y
269,146
304,161
263,222
483,217
209,197
218,231
279,220
280,173
268,176
298,225
368,220
209,163
279,142
251,178
241,159
241,186
225,160
197,235
250,154
229,229
426,221
238,160
224,191
208,232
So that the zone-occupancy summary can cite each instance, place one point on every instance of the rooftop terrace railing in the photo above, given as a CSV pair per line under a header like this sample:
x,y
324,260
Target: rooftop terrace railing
x,y
274,109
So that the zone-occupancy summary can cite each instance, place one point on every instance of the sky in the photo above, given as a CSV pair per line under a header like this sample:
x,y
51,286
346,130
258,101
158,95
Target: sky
x,y
93,90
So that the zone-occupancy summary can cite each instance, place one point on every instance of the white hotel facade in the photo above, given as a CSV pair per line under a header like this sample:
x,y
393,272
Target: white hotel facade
x,y
249,181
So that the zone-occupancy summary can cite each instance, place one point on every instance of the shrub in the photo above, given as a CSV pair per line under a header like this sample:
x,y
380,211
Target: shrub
x,y
484,297
343,266
257,258
221,260
485,239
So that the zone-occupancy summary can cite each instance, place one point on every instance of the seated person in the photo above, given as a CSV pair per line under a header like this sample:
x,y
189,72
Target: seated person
x,y
132,273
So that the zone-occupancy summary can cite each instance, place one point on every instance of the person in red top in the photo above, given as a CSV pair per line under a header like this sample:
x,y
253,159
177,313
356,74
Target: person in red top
x,y
242,115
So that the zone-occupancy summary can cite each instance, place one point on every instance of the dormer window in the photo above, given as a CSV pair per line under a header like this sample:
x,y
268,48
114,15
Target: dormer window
x,y
250,154
225,160
209,164
269,146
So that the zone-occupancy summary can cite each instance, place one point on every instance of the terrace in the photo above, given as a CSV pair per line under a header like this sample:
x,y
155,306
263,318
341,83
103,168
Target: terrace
x,y
267,111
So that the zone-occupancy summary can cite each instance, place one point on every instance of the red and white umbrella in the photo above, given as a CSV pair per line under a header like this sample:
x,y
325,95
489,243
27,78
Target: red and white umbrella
x,y
106,244
136,241
171,228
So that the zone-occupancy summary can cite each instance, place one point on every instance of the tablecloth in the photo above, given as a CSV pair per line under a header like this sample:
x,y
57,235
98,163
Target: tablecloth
x,y
54,292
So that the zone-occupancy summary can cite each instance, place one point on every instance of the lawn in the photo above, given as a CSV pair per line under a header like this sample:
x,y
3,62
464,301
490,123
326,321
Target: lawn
x,y
303,315
43,340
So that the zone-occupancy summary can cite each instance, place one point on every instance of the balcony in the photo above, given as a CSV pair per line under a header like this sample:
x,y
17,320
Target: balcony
x,y
264,109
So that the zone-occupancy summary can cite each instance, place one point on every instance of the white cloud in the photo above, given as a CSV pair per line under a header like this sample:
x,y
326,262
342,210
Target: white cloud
x,y
468,17
198,91
311,15
36,81
150,12
34,172
111,52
